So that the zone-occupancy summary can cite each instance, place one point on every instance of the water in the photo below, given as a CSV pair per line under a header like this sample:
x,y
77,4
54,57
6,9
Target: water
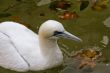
x,y
89,26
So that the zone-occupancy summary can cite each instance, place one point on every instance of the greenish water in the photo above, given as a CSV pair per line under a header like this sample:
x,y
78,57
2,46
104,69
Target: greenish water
x,y
89,26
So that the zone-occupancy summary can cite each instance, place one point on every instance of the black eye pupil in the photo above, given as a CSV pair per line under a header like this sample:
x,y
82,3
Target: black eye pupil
x,y
57,32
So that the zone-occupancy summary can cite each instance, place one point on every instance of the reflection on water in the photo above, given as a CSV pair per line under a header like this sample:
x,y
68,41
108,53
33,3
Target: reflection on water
x,y
89,26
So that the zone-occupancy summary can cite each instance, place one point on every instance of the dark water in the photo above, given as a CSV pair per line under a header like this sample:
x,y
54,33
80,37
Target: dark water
x,y
89,26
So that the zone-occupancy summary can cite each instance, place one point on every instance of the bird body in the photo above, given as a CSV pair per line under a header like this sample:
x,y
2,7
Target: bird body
x,y
21,49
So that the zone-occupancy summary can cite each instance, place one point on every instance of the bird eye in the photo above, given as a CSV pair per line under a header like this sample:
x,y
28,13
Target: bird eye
x,y
57,32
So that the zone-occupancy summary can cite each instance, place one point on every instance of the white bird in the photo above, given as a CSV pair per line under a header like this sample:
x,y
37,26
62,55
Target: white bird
x,y
21,49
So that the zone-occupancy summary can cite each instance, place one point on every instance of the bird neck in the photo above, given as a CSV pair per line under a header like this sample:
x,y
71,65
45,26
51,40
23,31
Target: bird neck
x,y
48,46
52,55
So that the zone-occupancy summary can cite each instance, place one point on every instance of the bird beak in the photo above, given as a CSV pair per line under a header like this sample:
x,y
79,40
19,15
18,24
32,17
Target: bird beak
x,y
68,35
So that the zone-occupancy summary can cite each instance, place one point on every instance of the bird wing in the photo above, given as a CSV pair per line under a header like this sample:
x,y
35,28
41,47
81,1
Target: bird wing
x,y
24,42
9,56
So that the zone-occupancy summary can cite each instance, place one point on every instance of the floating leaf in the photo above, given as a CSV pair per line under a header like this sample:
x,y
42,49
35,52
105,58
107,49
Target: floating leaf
x,y
100,5
102,2
84,4
73,68
2,15
60,5
67,15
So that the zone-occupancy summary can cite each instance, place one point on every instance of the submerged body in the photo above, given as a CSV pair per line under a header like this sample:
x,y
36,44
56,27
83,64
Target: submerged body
x,y
23,50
